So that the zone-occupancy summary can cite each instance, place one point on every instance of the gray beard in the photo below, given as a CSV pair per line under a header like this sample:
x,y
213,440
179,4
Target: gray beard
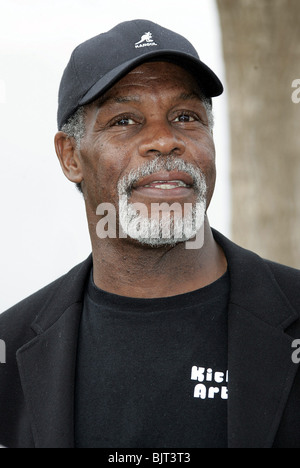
x,y
164,227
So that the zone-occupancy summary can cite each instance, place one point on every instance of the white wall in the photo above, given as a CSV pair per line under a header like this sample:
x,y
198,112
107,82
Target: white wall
x,y
43,226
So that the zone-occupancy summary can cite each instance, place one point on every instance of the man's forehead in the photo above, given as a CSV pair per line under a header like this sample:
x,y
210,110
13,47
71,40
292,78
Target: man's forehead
x,y
151,77
150,73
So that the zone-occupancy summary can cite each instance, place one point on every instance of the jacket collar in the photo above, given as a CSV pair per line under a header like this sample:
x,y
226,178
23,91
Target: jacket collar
x,y
261,371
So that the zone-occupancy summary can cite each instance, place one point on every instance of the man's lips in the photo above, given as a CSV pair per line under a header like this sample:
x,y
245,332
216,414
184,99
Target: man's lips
x,y
165,181
173,185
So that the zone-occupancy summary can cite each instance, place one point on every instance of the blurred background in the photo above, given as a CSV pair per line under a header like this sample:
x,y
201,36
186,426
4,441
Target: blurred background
x,y
252,45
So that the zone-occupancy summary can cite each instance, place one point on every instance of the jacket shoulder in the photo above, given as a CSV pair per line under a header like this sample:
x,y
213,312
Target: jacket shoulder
x,y
18,319
289,281
284,272
25,312
256,281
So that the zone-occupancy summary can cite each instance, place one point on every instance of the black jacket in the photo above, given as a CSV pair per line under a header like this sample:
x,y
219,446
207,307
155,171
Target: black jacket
x,y
37,382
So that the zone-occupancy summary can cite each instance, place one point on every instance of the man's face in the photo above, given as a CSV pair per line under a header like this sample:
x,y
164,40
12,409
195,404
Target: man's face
x,y
153,118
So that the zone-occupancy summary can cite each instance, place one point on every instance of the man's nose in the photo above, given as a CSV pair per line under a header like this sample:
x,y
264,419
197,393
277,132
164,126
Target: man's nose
x,y
161,139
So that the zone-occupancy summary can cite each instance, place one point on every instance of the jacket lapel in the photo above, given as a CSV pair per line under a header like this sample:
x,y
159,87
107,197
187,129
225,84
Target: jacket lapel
x,y
47,364
47,370
261,371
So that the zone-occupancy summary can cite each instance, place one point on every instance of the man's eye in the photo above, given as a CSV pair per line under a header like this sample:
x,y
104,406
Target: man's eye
x,y
184,118
124,122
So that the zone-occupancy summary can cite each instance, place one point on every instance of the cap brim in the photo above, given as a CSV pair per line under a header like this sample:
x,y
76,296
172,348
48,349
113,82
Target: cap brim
x,y
208,81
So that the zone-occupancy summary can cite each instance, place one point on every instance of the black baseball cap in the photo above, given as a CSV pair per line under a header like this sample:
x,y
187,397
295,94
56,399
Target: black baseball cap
x,y
97,64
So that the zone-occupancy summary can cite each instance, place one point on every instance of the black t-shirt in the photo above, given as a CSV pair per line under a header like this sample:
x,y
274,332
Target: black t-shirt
x,y
152,373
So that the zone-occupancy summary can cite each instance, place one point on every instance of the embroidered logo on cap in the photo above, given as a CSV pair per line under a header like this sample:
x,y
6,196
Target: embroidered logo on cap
x,y
146,41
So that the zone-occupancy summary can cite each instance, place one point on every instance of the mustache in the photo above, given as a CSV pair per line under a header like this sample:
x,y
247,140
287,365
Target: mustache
x,y
126,183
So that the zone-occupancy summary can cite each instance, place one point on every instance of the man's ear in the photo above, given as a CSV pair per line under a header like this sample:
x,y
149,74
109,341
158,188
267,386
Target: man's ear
x,y
68,157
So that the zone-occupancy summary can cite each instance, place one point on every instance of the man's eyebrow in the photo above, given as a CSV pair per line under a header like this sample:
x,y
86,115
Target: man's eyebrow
x,y
120,99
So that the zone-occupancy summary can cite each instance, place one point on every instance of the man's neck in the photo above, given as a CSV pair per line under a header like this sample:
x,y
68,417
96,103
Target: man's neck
x,y
128,269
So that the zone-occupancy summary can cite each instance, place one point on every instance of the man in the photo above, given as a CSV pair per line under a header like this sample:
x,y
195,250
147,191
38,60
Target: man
x,y
169,335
